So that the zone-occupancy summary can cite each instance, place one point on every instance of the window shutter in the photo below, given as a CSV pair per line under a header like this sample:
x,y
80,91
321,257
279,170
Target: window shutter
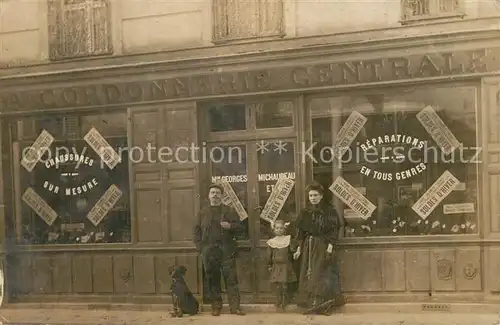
x,y
220,19
271,17
76,30
241,19
79,28
55,31
101,27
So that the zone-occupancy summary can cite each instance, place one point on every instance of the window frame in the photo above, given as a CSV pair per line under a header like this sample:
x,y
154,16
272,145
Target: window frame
x,y
394,240
251,130
251,136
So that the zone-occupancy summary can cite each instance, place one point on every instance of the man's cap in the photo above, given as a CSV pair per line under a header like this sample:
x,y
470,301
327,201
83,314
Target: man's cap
x,y
215,185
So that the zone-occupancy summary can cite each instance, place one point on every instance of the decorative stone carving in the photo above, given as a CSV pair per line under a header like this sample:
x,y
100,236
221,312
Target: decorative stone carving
x,y
444,269
125,275
470,271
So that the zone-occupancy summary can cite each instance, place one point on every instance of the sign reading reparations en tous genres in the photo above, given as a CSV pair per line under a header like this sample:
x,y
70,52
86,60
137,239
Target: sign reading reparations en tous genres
x,y
248,82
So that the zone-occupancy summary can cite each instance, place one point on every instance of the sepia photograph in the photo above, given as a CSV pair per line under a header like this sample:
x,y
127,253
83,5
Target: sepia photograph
x,y
249,161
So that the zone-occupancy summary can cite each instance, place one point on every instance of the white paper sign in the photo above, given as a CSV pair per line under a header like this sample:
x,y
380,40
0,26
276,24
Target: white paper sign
x,y
351,214
355,200
72,226
231,199
458,208
435,126
348,133
39,205
441,188
277,199
37,150
361,190
460,187
105,203
102,148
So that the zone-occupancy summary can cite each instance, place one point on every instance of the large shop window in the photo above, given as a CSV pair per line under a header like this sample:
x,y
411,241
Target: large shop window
x,y
72,181
409,160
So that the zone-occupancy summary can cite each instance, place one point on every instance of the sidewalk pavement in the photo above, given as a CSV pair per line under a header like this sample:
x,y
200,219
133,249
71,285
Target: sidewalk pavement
x,y
83,316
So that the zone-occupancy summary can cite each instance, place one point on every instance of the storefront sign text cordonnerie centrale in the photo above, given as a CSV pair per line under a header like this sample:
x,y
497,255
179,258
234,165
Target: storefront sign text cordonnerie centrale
x,y
274,79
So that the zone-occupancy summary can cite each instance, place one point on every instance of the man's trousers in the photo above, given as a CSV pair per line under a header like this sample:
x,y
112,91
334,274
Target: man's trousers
x,y
216,262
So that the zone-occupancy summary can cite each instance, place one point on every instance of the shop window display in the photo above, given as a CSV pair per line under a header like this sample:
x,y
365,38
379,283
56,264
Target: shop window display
x,y
70,191
413,157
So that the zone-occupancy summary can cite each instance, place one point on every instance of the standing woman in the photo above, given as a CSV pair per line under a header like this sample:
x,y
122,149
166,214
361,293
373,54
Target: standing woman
x,y
318,227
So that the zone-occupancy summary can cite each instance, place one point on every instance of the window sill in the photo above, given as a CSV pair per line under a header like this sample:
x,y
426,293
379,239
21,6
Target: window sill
x,y
409,241
77,58
249,39
432,19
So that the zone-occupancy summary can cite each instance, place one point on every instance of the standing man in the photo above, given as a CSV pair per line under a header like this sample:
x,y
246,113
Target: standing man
x,y
214,233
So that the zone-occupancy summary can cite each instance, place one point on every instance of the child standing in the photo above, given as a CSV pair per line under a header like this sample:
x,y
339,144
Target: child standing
x,y
280,257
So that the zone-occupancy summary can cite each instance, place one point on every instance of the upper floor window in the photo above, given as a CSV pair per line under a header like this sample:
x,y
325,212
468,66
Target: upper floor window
x,y
79,28
428,9
246,19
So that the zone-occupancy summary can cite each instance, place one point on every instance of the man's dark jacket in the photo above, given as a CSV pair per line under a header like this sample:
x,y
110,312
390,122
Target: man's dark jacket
x,y
203,223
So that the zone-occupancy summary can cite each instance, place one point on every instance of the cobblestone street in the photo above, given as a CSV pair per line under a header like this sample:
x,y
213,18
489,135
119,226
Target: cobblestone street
x,y
82,316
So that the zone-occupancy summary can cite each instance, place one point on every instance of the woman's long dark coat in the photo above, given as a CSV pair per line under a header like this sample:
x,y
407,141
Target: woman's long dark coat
x,y
319,279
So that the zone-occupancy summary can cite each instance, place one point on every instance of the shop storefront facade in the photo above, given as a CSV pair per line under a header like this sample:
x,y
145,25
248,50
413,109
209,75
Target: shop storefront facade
x,y
103,177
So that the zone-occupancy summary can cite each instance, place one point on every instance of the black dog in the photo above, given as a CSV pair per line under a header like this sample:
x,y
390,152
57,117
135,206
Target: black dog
x,y
182,298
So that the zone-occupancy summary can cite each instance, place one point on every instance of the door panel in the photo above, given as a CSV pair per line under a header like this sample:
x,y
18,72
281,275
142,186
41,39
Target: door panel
x,y
148,207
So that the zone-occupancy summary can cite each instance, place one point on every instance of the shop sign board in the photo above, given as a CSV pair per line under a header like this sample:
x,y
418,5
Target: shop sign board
x,y
102,148
231,199
337,74
277,199
458,208
441,188
41,208
438,130
104,205
37,150
353,198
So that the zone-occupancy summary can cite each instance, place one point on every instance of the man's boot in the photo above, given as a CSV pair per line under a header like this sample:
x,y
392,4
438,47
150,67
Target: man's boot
x,y
216,309
238,312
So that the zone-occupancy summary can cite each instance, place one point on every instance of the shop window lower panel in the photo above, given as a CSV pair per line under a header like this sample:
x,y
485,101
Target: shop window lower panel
x,y
421,272
95,276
